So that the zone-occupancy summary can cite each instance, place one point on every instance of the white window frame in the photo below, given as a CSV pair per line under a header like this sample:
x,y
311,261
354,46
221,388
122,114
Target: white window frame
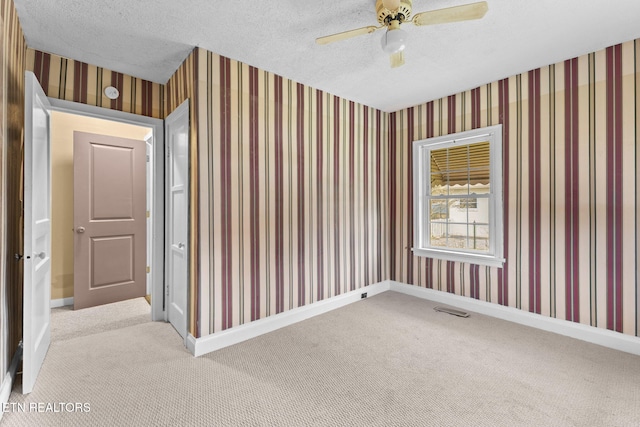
x,y
421,191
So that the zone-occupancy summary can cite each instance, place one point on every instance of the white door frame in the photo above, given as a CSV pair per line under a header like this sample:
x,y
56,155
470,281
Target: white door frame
x,y
150,186
157,252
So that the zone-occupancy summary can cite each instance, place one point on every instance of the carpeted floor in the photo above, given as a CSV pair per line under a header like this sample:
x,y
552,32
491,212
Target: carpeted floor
x,y
67,323
387,360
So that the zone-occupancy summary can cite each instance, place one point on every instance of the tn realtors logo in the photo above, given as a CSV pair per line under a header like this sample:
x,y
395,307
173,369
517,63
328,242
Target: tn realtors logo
x,y
58,407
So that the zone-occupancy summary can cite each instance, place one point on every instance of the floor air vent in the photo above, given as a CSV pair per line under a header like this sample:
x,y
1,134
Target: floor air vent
x,y
453,311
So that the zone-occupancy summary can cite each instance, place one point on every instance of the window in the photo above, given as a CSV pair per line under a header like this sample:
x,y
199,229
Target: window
x,y
458,197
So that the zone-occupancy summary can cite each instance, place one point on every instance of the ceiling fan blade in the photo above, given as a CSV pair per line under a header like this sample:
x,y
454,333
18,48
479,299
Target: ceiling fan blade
x,y
397,59
452,14
347,34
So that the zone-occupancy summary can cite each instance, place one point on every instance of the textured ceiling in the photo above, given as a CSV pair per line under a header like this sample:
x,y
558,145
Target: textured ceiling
x,y
151,38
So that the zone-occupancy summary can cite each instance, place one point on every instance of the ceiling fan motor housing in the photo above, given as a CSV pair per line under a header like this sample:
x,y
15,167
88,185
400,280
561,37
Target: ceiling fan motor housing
x,y
385,16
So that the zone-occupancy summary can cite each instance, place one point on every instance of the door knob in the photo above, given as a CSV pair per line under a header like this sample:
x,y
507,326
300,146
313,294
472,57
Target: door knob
x,y
41,255
80,230
180,245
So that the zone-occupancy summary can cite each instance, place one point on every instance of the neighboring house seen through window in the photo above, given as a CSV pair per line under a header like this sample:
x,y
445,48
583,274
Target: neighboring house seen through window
x,y
458,197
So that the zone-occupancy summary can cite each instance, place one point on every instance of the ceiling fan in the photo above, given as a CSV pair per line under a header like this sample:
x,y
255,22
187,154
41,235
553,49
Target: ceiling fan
x,y
392,13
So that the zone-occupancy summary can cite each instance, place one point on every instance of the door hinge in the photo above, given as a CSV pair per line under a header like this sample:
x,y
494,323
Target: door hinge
x,y
148,158
148,269
148,214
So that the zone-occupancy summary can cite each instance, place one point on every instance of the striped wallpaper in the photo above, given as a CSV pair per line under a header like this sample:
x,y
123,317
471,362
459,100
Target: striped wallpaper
x,y
298,195
571,174
292,195
77,81
12,53
316,163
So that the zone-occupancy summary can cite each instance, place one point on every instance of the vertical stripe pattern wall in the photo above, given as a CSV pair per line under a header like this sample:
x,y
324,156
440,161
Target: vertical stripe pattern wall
x,y
77,81
614,173
298,195
572,226
12,54
571,193
295,204
503,119
534,191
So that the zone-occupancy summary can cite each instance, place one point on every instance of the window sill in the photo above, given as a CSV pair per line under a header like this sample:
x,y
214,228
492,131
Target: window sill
x,y
466,257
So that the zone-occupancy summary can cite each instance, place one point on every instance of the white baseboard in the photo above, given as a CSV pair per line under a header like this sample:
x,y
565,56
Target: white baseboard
x,y
55,303
603,337
9,379
191,344
218,340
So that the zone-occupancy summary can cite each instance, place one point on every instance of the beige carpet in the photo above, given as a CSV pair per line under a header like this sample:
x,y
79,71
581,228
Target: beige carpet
x,y
389,360
67,323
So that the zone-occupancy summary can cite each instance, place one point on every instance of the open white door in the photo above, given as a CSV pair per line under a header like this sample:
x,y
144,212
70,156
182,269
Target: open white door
x,y
37,231
177,214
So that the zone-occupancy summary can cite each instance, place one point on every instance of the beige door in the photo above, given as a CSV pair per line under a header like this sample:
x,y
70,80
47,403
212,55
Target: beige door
x,y
109,179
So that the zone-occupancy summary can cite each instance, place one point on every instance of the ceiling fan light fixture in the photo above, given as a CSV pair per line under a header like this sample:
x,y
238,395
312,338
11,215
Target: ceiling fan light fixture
x,y
392,13
393,40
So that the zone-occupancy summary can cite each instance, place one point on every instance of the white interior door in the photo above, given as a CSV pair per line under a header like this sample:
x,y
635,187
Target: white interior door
x,y
177,211
37,232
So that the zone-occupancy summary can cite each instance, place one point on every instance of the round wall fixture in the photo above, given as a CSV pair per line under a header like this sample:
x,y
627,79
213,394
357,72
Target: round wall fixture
x,y
111,92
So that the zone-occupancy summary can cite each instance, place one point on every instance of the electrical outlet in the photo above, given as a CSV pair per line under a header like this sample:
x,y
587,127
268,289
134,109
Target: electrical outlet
x,y
363,295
